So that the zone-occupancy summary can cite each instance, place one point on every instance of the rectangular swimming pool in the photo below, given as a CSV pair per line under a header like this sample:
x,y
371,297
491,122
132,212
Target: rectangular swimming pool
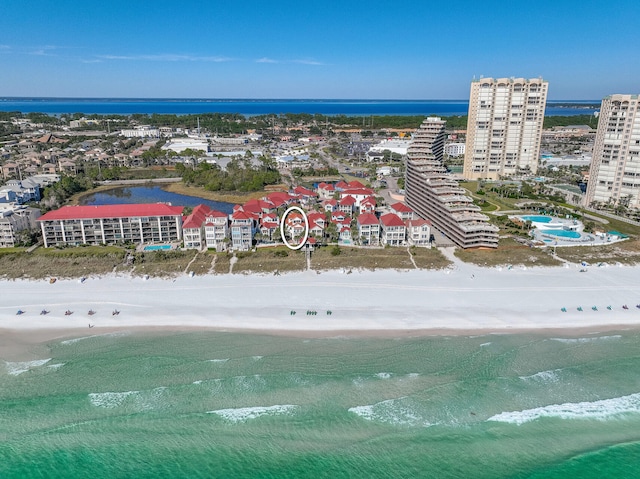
x,y
157,247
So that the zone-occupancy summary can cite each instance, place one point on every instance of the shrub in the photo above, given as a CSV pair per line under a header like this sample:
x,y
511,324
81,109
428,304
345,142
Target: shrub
x,y
335,251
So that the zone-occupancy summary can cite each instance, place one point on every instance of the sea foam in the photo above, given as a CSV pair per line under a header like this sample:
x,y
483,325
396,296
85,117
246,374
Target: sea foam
x,y
17,368
585,340
391,411
110,400
245,413
543,376
600,410
106,335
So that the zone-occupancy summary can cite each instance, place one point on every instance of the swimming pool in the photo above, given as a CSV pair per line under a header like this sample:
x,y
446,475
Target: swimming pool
x,y
563,233
537,218
157,247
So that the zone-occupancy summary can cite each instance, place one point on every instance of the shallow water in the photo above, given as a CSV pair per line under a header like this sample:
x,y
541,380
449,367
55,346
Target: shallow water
x,y
240,405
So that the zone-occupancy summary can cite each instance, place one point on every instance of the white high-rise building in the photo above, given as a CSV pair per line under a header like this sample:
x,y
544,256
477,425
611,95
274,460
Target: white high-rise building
x,y
434,195
614,177
504,127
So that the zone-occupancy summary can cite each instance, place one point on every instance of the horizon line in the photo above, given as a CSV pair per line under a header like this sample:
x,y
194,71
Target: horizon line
x,y
17,98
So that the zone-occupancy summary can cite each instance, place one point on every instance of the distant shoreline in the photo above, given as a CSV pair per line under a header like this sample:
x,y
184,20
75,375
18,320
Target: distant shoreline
x,y
257,107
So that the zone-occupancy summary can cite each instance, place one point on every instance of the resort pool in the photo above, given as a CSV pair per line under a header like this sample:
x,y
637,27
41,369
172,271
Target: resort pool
x,y
157,247
537,218
563,233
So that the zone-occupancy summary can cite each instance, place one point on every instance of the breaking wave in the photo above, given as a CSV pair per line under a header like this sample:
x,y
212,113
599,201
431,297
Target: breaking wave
x,y
600,410
245,413
391,411
17,368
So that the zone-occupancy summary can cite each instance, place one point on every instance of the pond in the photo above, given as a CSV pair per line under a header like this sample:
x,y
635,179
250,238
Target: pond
x,y
150,194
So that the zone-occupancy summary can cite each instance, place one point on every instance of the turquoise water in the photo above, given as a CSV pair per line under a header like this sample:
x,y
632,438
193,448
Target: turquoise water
x,y
157,247
243,405
562,233
537,218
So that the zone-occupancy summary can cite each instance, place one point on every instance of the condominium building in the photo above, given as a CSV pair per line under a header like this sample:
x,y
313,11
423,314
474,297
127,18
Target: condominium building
x,y
108,224
504,127
614,177
14,219
455,149
434,195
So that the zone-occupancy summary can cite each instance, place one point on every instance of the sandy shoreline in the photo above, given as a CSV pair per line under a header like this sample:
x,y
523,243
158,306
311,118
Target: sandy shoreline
x,y
463,299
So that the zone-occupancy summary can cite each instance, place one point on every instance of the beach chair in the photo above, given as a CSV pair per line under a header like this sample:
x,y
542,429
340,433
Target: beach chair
x,y
579,308
594,308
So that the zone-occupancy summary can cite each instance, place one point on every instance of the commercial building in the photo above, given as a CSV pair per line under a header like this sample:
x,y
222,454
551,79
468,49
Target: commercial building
x,y
504,127
136,223
614,177
143,131
434,195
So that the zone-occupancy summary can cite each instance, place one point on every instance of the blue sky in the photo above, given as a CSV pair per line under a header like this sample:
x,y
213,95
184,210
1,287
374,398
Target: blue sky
x,y
416,49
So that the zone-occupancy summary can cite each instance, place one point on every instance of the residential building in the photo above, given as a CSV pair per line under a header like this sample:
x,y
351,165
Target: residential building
x,y
393,231
13,220
402,210
418,232
369,229
216,230
614,177
136,223
358,194
242,231
317,223
10,170
454,149
346,204
434,195
504,127
193,228
326,190
368,205
269,226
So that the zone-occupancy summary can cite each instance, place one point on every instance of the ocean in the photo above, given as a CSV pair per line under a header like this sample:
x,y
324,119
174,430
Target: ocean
x,y
233,405
247,107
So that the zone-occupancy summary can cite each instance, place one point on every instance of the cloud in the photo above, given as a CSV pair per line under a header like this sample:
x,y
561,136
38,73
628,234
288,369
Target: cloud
x,y
308,62
300,62
166,57
44,51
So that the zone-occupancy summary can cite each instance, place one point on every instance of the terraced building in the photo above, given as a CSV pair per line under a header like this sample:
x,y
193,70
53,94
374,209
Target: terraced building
x,y
434,195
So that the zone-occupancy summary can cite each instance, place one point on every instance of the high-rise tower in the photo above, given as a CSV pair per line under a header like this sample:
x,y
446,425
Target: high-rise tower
x,y
614,176
434,195
504,127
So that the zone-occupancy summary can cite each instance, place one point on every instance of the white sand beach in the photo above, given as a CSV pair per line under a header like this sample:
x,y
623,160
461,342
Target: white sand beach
x,y
464,298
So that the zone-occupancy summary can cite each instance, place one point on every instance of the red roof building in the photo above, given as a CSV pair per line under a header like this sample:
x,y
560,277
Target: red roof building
x,y
402,210
393,230
110,224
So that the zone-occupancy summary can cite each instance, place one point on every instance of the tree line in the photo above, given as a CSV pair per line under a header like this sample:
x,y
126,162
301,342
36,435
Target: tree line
x,y
239,175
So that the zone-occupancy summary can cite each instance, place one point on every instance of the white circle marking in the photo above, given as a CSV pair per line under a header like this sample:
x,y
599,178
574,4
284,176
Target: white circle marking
x,y
306,229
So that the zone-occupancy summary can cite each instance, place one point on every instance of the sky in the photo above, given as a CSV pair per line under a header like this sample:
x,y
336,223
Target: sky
x,y
331,49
